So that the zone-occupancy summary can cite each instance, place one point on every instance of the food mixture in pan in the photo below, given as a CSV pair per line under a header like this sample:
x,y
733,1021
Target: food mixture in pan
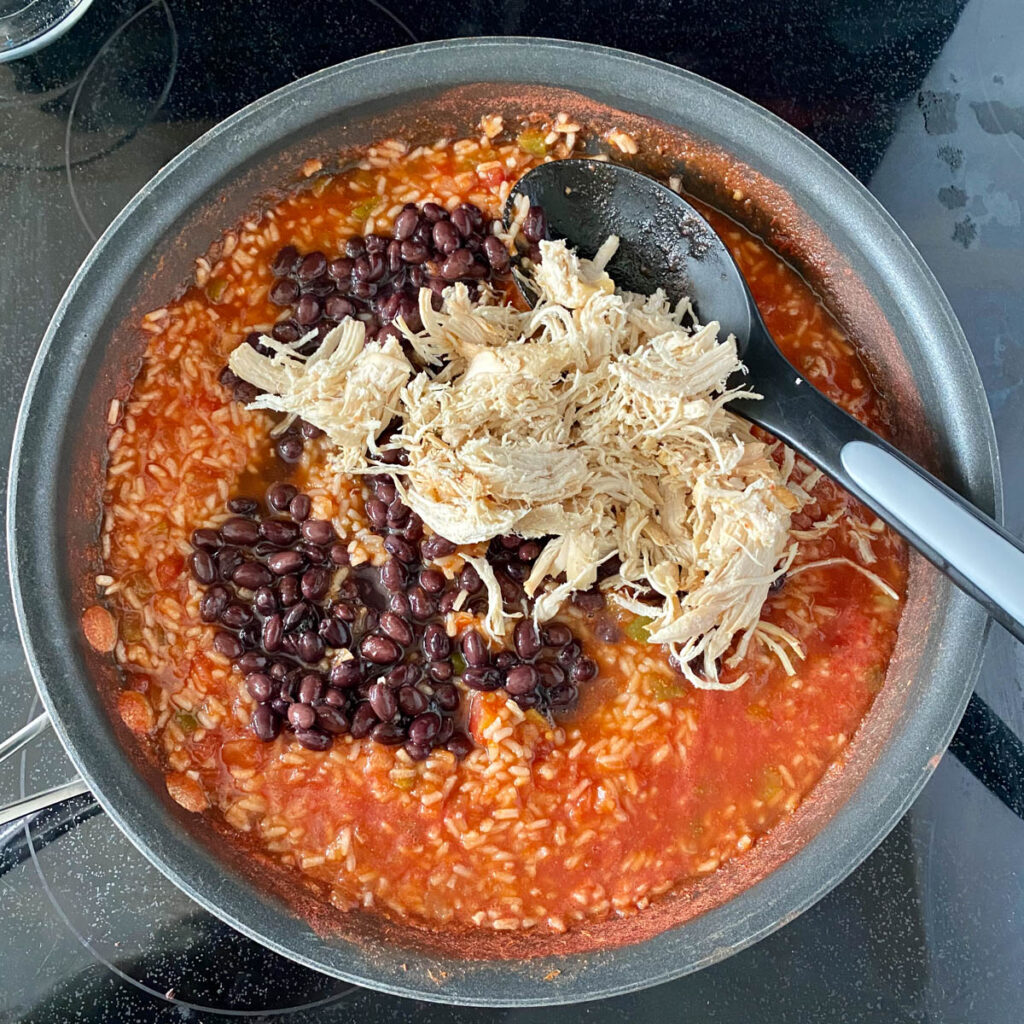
x,y
475,615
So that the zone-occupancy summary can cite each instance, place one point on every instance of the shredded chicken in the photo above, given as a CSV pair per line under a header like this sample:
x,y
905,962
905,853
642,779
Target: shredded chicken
x,y
596,420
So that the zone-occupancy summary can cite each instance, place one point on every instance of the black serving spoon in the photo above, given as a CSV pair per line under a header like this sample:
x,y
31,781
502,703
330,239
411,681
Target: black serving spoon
x,y
664,242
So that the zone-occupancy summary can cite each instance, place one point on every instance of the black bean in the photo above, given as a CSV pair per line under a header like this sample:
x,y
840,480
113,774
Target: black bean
x,y
399,604
363,720
228,560
432,213
511,591
392,575
301,716
383,702
384,488
315,555
253,662
505,660
583,670
273,633
344,611
284,292
415,252
313,739
379,649
510,542
311,686
284,563
311,267
462,221
206,540
447,696
299,507
388,734
526,639
528,700
376,243
260,686
445,236
528,551
335,633
337,308
340,268
535,226
557,635
295,615
318,531
406,223
279,496
457,265
243,506
496,253
289,449
288,591
265,724
417,751
396,627
411,701
213,602
236,615
413,529
308,310
398,513
432,581
377,512
228,644
482,678
440,670
202,566
425,727
345,674
285,261
569,655
239,530
460,745
469,579
286,331
447,602
421,605
309,647
282,532
315,583
264,601
437,645
280,707
474,649
436,546
279,670
331,719
338,554
251,576
521,679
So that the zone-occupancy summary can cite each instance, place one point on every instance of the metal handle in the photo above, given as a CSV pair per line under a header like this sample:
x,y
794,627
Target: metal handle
x,y
37,801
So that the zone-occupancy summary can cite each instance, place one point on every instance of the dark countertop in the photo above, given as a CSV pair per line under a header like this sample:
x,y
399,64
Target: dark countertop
x,y
924,101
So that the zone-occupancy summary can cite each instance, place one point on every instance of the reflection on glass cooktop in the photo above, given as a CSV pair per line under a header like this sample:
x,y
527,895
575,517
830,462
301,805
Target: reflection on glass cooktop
x,y
923,100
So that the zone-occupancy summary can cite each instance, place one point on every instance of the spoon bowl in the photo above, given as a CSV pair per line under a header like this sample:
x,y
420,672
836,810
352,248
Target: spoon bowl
x,y
664,242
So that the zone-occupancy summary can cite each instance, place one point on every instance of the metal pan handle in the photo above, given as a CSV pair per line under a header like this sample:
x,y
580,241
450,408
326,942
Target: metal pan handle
x,y
45,798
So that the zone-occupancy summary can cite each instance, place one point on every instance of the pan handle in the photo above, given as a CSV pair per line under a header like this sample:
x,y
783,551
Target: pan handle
x,y
45,798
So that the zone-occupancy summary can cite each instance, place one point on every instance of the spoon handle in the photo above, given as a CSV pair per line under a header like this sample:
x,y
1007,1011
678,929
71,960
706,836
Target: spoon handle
x,y
974,551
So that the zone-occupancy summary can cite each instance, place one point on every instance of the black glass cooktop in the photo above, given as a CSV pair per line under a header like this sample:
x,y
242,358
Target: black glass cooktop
x,y
923,100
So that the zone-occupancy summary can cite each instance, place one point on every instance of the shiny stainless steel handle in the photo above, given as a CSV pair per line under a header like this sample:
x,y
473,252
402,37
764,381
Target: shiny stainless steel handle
x,y
46,798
